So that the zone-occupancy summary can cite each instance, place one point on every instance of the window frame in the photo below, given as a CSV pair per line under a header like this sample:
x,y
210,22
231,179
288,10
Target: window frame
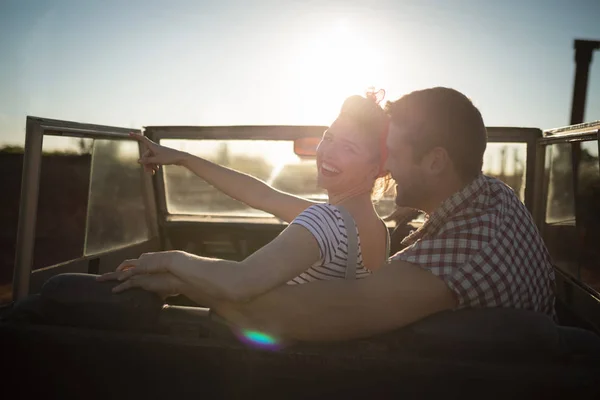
x,y
36,129
529,136
572,135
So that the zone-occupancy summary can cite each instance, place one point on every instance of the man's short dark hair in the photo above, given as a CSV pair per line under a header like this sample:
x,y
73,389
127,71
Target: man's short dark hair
x,y
446,118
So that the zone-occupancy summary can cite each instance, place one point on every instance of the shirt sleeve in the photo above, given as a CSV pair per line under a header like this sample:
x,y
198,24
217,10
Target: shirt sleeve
x,y
324,222
452,257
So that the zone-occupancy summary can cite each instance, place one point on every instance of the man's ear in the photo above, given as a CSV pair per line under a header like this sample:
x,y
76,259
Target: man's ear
x,y
437,160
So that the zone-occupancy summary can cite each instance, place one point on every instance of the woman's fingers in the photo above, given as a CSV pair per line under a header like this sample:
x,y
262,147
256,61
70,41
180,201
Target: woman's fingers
x,y
110,276
118,275
128,264
149,144
148,160
163,285
128,284
148,157
148,263
128,273
141,281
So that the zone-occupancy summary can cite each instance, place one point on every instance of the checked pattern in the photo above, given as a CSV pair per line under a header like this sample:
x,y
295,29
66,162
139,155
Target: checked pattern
x,y
483,243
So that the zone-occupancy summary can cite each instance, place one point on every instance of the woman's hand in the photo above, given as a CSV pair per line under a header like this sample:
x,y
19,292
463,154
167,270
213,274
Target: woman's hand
x,y
148,263
154,155
164,285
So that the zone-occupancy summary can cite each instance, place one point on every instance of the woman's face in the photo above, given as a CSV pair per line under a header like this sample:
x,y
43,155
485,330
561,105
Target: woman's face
x,y
347,159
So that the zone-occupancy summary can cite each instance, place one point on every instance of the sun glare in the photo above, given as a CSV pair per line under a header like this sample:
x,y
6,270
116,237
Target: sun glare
x,y
331,64
321,69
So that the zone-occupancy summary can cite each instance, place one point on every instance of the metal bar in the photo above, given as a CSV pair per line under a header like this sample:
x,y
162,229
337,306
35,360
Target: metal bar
x,y
296,132
236,132
584,50
540,188
149,198
89,197
586,127
530,166
523,134
87,133
570,138
575,158
598,144
30,181
160,199
58,125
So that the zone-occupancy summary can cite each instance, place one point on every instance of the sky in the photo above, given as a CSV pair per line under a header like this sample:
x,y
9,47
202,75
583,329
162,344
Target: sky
x,y
141,63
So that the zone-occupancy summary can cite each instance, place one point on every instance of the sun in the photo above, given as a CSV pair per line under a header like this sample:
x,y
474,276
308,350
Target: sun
x,y
329,64
320,70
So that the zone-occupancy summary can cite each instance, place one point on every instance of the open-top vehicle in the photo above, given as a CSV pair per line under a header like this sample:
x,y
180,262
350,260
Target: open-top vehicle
x,y
556,173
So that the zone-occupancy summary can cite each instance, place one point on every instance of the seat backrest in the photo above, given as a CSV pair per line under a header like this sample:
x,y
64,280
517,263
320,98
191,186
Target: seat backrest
x,y
500,333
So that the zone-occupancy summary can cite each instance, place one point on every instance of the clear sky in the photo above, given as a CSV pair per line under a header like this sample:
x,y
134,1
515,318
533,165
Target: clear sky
x,y
135,63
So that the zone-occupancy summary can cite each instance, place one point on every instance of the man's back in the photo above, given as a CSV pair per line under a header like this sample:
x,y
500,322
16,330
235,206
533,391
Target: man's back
x,y
484,244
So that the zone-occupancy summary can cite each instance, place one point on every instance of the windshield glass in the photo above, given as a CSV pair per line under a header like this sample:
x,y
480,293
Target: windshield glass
x,y
274,162
571,228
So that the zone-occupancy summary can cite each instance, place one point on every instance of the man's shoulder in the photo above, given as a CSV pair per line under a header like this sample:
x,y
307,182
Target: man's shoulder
x,y
494,197
500,191
490,208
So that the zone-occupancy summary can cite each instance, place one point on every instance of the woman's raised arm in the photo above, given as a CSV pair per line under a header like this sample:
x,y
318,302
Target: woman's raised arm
x,y
238,185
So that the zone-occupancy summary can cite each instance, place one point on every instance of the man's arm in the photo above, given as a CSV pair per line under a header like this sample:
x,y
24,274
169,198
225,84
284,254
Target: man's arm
x,y
396,295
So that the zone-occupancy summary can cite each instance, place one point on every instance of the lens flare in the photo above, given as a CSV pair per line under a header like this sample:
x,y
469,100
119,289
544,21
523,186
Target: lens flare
x,y
259,339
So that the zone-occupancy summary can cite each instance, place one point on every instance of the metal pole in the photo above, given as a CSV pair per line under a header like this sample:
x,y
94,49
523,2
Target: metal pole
x,y
584,50
149,198
30,179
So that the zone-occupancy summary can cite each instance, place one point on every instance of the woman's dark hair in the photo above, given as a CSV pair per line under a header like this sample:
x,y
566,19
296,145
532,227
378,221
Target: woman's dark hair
x,y
446,118
368,115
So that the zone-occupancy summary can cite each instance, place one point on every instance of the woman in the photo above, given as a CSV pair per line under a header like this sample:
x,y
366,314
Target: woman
x,y
350,159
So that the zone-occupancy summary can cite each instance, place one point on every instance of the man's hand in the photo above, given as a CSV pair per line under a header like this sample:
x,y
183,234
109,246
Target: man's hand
x,y
395,296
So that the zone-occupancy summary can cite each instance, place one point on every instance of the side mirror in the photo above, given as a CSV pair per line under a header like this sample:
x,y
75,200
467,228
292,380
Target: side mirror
x,y
306,147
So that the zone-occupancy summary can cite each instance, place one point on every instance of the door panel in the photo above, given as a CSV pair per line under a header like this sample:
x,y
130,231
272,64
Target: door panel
x,y
227,241
96,264
570,220
120,217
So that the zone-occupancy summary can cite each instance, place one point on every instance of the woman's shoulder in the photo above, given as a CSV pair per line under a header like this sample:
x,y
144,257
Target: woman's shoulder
x,y
322,215
325,209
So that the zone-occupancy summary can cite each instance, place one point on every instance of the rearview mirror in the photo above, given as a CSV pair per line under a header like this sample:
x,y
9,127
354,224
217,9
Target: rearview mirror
x,y
307,146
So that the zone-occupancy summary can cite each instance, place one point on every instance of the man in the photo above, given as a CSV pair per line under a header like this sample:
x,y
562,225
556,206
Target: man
x,y
479,246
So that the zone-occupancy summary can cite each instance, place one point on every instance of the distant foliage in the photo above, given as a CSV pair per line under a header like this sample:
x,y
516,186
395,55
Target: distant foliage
x,y
12,149
9,149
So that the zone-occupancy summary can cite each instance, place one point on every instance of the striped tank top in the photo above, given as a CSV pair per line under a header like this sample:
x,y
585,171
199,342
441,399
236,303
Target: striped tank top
x,y
326,223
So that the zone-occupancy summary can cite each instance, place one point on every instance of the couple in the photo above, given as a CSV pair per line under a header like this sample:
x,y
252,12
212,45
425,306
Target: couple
x,y
479,246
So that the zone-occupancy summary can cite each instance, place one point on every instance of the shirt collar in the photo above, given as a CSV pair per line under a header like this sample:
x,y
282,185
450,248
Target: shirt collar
x,y
449,207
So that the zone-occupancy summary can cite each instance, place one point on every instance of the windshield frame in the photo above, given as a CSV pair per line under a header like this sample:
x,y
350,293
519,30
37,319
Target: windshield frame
x,y
529,136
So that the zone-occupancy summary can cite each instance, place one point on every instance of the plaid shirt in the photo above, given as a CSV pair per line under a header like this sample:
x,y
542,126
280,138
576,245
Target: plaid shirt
x,y
482,242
